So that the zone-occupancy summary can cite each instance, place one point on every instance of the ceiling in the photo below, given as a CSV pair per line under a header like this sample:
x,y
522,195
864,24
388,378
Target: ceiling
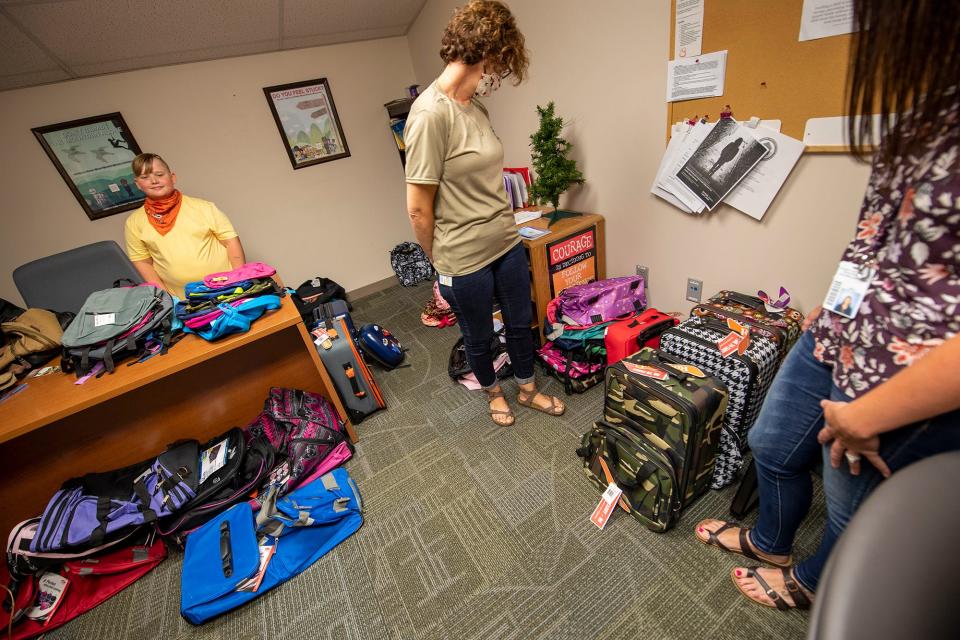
x,y
43,41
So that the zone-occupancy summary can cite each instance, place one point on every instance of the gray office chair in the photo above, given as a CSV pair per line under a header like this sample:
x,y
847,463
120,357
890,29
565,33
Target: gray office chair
x,y
63,281
895,572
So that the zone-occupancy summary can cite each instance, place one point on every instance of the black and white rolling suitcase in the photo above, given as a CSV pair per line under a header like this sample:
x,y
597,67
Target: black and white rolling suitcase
x,y
746,376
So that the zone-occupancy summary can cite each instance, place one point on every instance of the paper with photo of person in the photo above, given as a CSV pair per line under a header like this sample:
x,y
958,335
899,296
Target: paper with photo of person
x,y
721,161
667,181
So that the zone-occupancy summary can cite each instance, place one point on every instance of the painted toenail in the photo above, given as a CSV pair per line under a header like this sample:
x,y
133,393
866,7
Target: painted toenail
x,y
737,572
700,529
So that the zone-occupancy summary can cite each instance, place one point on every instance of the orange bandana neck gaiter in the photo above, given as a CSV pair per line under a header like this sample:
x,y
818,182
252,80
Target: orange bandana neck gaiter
x,y
163,213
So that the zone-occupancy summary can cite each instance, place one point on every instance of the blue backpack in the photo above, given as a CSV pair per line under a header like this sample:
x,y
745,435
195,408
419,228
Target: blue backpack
x,y
224,554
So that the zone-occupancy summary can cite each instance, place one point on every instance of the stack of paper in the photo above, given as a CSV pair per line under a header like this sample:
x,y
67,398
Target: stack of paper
x,y
725,161
516,187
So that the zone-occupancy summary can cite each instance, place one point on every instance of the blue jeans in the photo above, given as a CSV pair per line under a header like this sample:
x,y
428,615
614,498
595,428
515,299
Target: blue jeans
x,y
471,297
785,448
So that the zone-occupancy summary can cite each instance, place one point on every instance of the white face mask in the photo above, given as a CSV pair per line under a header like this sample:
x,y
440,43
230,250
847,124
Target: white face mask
x,y
489,82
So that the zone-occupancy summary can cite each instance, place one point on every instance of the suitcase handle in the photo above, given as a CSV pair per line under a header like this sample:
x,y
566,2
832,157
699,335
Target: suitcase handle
x,y
713,323
226,555
614,456
744,299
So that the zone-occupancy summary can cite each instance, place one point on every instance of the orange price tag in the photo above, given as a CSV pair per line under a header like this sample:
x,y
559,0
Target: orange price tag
x,y
689,368
729,343
646,371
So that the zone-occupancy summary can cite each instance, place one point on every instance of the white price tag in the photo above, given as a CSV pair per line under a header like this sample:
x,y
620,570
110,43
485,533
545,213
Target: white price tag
x,y
608,502
102,319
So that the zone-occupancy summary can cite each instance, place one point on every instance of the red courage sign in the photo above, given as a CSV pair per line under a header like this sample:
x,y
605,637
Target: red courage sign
x,y
572,261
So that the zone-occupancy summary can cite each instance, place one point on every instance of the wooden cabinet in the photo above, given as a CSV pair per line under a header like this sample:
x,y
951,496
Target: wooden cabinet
x,y
572,253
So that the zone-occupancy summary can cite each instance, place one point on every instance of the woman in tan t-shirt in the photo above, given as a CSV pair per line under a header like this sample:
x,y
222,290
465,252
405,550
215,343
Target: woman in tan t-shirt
x,y
457,203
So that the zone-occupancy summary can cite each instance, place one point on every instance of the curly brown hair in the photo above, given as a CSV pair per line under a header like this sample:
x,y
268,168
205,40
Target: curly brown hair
x,y
485,31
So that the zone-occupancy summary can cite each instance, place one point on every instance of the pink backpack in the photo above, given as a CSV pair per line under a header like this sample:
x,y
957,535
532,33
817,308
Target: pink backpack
x,y
561,362
247,271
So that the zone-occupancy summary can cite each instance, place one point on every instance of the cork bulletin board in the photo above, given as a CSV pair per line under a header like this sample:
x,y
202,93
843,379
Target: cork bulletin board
x,y
770,73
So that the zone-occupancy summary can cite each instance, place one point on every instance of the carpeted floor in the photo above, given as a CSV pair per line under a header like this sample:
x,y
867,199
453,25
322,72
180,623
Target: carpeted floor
x,y
473,531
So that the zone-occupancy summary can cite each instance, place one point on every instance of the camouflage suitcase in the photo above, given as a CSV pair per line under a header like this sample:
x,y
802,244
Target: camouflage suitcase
x,y
614,453
747,378
675,406
782,327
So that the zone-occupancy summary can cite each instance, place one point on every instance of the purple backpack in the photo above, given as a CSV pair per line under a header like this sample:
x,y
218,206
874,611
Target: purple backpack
x,y
99,507
602,300
304,431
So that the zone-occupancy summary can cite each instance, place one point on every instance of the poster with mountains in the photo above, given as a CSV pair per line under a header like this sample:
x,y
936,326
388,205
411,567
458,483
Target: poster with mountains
x,y
308,122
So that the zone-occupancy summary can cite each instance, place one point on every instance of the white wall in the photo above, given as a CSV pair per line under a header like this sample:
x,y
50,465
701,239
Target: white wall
x,y
604,65
210,120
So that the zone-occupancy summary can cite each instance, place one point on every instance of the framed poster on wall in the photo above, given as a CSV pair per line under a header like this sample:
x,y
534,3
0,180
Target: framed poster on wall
x,y
308,122
572,260
93,157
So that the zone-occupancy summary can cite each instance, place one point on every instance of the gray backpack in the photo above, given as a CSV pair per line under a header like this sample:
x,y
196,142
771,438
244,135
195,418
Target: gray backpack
x,y
116,323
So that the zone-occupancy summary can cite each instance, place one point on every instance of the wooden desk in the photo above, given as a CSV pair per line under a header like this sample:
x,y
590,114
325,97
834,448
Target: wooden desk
x,y
54,429
572,253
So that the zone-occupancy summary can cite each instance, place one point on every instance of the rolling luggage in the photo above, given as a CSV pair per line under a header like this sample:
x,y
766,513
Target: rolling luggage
x,y
616,453
359,392
626,337
747,377
783,327
675,406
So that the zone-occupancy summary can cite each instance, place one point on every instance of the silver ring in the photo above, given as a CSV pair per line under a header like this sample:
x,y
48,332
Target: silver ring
x,y
852,458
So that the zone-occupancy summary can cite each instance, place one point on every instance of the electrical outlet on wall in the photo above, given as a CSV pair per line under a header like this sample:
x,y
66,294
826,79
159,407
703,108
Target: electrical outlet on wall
x,y
694,289
645,272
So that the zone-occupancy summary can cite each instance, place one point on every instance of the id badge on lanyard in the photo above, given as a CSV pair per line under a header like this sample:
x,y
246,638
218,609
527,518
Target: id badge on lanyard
x,y
849,286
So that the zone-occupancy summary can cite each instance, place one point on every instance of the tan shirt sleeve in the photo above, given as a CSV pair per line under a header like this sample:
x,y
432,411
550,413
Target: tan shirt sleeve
x,y
425,138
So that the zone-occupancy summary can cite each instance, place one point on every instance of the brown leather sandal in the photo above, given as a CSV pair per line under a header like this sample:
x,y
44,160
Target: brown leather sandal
x,y
799,597
556,407
746,547
500,412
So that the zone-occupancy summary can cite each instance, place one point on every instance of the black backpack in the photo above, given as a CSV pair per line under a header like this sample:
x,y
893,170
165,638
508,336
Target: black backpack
x,y
9,311
457,366
411,264
246,464
316,292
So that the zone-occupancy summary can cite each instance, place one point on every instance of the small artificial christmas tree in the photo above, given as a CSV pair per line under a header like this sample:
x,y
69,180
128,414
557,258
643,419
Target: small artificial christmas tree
x,y
554,171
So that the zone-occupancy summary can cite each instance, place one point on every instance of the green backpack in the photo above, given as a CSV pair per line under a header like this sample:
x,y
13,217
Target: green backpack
x,y
612,452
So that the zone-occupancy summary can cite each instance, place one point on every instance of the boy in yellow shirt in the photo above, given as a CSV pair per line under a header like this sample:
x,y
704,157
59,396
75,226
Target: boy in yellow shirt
x,y
174,239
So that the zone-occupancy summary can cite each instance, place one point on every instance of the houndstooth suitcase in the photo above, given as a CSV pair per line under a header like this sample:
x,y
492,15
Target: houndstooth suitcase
x,y
783,327
747,377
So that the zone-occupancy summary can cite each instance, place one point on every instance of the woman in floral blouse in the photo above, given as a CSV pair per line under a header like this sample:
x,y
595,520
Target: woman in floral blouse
x,y
873,385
